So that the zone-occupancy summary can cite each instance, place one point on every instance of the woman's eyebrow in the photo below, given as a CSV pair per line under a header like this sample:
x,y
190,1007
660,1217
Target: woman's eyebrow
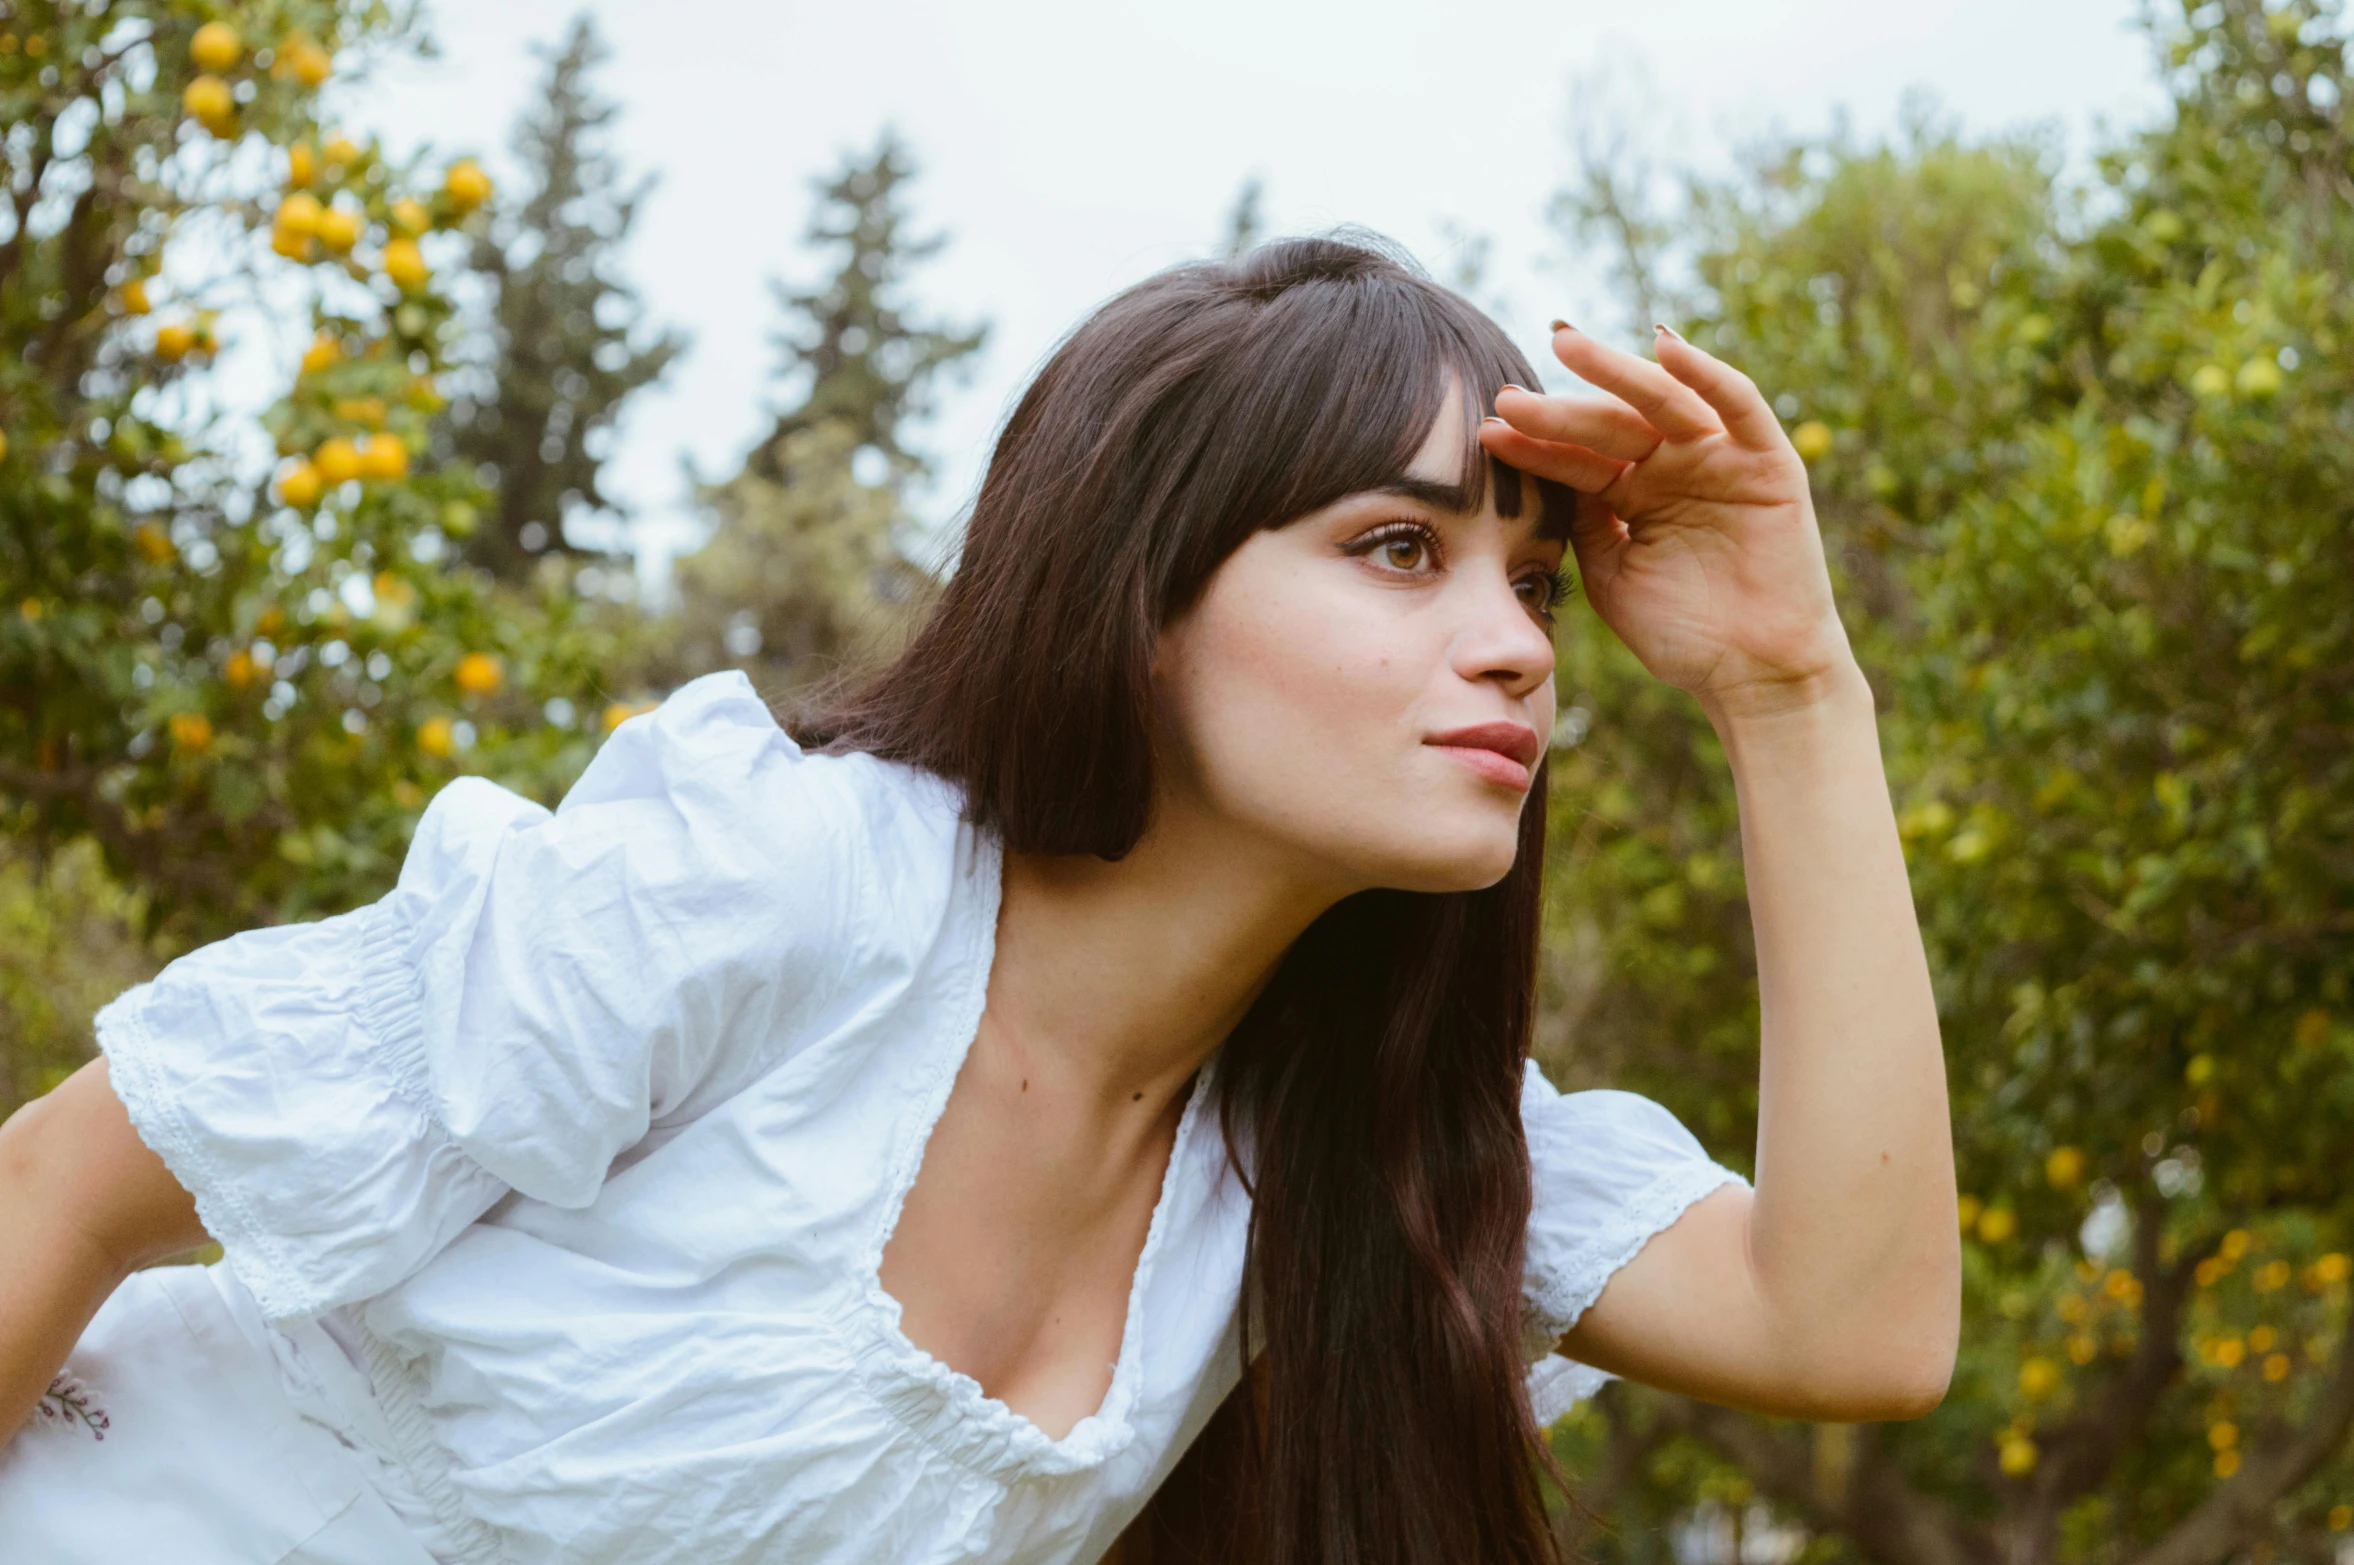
x,y
1456,497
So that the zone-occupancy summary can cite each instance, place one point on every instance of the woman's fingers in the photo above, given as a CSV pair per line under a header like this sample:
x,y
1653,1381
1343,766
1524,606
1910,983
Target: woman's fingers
x,y
1603,424
1673,408
1733,395
1574,465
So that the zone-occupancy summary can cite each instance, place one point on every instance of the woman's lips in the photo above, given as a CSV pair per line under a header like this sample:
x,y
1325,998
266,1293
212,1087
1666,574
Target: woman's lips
x,y
1503,753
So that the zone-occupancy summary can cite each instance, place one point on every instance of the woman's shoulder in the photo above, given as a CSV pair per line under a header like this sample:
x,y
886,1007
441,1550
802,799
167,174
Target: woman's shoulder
x,y
705,790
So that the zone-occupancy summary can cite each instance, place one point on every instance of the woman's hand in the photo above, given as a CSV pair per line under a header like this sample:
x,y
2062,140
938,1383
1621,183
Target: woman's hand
x,y
1696,535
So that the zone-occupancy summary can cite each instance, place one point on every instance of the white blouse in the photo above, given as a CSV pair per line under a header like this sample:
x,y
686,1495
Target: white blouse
x,y
584,1142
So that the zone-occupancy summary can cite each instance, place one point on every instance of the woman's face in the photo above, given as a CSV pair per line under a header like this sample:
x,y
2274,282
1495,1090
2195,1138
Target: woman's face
x,y
1368,689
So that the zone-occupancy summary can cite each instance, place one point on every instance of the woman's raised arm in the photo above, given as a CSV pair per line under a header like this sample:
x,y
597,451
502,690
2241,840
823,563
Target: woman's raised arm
x,y
1833,1291
83,1204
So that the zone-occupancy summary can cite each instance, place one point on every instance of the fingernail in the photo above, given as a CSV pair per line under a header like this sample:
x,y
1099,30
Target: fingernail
x,y
1666,330
1491,419
1563,326
1513,385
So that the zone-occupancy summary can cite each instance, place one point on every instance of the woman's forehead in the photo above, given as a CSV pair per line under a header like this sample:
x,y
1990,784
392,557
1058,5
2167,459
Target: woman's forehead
x,y
1453,472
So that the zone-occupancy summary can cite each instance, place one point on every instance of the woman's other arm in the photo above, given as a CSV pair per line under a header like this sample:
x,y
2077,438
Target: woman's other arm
x,y
1834,1291
83,1204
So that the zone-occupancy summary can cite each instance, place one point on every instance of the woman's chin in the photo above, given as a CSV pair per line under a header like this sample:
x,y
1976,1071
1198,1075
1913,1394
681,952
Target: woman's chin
x,y
1472,856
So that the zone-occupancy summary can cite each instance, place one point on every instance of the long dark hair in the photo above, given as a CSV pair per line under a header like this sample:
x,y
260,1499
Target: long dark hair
x,y
1370,1098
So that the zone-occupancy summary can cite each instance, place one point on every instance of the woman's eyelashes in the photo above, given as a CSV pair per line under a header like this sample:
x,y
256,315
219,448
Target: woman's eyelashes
x,y
1412,548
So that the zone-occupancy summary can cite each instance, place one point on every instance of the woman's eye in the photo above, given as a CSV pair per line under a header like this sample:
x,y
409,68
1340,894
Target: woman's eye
x,y
1404,552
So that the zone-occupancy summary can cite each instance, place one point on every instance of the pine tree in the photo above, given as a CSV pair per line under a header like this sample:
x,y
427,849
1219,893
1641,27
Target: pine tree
x,y
568,345
802,571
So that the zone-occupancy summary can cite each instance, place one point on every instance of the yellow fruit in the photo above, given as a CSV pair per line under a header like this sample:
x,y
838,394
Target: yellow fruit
x,y
1813,440
240,670
301,58
192,733
2018,1456
2341,1518
2276,1367
2222,1437
410,216
288,243
337,460
2064,1167
1968,1208
404,263
321,354
2226,1463
153,542
299,486
172,342
134,297
339,229
2211,380
2038,1378
299,213
435,737
361,410
340,149
1997,1224
302,164
2258,378
466,185
216,46
210,103
385,457
2199,1070
479,674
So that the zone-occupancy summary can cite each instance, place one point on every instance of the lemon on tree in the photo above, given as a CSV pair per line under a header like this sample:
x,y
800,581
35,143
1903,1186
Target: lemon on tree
x,y
479,674
299,485
384,457
338,230
210,103
337,460
404,263
216,46
466,185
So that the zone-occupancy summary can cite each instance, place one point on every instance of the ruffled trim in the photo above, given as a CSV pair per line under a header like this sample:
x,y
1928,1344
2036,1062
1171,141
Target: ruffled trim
x,y
391,1017
460,1538
941,1405
1571,1284
392,1005
251,1250
1557,1383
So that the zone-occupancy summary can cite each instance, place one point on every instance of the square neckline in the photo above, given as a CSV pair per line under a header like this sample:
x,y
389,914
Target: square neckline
x,y
941,1404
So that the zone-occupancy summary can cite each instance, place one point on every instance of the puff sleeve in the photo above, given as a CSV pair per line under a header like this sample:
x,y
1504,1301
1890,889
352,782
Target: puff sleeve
x,y
343,1097
1611,1169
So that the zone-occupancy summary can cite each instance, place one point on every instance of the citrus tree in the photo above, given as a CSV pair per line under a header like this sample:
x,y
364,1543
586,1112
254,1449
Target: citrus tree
x,y
238,654
2082,459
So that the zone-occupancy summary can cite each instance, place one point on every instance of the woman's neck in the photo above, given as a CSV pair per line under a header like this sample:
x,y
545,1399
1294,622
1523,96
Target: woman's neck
x,y
1123,977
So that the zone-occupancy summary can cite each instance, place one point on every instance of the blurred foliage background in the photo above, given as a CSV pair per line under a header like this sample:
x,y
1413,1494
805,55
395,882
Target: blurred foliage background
x,y
2084,456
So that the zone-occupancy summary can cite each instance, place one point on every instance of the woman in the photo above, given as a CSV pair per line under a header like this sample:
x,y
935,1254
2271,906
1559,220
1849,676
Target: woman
x,y
896,1149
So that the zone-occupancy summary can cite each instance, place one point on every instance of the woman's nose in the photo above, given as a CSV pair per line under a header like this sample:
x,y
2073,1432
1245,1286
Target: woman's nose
x,y
1500,640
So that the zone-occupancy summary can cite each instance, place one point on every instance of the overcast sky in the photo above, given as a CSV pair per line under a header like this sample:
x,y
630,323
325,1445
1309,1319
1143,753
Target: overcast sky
x,y
1068,149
